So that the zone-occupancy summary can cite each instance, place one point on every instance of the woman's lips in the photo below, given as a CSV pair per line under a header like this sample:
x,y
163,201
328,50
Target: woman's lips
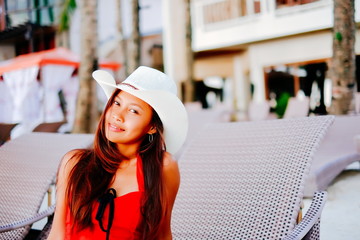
x,y
115,128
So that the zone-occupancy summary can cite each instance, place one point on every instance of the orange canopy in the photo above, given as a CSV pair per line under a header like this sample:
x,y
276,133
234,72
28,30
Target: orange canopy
x,y
60,56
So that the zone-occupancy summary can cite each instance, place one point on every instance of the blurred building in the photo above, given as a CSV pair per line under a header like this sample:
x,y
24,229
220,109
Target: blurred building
x,y
264,46
26,26
257,48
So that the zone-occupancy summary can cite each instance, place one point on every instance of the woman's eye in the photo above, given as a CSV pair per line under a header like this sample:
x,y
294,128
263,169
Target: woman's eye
x,y
133,111
116,103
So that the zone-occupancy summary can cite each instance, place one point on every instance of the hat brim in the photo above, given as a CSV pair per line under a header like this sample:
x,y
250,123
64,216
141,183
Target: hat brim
x,y
168,106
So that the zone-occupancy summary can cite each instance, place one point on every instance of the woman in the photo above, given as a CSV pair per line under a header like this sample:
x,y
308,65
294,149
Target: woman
x,y
125,187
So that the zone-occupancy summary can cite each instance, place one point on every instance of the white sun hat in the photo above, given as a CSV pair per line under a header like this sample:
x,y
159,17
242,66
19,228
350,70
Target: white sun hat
x,y
159,91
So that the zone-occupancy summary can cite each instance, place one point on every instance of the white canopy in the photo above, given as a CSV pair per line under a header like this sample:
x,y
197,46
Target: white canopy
x,y
29,92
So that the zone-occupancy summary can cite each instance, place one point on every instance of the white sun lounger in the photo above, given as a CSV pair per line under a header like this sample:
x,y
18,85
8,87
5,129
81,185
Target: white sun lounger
x,y
28,166
245,180
335,153
198,119
297,107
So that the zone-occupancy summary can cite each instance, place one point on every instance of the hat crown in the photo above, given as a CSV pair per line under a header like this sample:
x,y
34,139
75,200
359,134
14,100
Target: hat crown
x,y
145,78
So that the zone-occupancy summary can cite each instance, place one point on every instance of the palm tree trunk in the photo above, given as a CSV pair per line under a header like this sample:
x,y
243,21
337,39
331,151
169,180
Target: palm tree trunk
x,y
62,39
86,112
135,41
122,42
343,61
189,82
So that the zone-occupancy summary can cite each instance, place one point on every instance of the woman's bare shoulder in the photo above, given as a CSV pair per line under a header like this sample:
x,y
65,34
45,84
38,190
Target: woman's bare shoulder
x,y
169,162
171,173
69,160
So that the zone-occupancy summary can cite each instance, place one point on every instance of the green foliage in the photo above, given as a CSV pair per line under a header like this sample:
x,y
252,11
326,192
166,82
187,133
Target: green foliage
x,y
50,11
281,104
68,8
338,36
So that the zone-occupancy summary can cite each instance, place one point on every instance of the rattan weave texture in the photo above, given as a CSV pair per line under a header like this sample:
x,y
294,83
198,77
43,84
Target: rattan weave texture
x,y
311,220
28,166
245,180
335,153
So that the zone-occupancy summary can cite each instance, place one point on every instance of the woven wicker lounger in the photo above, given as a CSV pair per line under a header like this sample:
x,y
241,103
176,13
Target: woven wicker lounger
x,y
5,131
246,180
335,153
28,166
198,120
48,127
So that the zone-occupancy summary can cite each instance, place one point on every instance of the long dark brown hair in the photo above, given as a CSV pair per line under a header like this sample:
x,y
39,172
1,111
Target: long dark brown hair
x,y
96,168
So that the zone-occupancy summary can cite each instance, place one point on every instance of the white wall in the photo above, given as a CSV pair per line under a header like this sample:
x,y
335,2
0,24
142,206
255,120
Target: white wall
x,y
267,25
174,39
214,66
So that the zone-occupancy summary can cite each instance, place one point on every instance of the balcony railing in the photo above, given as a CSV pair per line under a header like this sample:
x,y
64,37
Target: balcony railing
x,y
221,23
225,10
217,11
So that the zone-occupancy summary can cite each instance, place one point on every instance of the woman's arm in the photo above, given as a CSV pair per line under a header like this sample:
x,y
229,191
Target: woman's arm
x,y
171,176
58,225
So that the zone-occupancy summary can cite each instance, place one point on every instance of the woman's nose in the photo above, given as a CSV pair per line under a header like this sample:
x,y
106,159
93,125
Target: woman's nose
x,y
118,116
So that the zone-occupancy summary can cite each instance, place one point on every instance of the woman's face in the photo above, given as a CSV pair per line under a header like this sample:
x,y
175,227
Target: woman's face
x,y
127,120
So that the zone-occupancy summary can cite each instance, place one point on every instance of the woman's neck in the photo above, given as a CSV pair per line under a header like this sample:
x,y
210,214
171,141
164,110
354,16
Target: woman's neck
x,y
128,152
128,163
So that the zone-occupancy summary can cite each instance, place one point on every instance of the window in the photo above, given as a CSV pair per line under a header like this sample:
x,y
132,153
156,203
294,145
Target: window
x,y
227,10
17,12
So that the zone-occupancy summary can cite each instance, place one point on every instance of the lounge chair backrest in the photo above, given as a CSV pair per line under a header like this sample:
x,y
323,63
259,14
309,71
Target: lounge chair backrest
x,y
28,166
335,153
259,110
297,107
245,180
199,119
5,131
357,102
48,127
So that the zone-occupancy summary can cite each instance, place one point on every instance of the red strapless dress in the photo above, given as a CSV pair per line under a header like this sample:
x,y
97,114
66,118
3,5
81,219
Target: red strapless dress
x,y
126,216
